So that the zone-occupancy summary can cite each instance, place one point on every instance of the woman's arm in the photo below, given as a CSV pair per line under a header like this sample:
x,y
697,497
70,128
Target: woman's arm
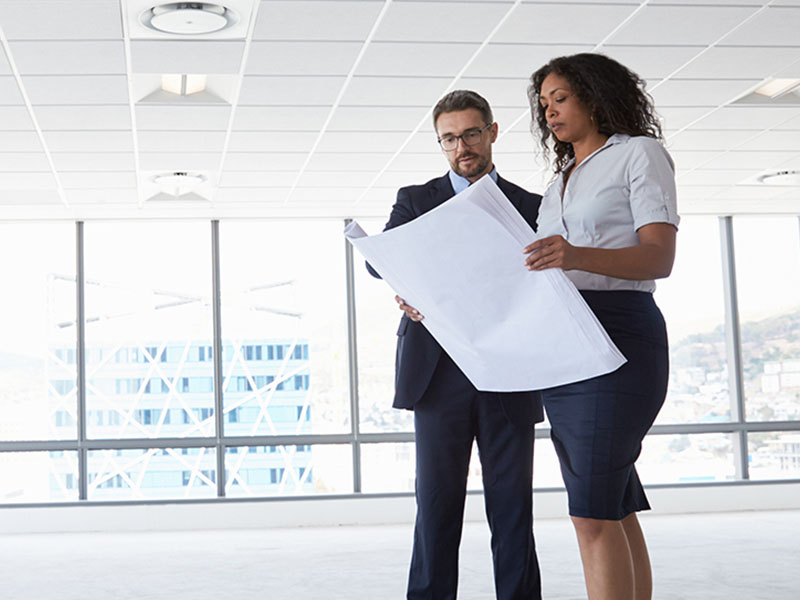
x,y
651,259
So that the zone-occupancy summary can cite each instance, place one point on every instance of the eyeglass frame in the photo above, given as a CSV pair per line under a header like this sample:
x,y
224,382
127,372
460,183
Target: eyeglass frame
x,y
461,137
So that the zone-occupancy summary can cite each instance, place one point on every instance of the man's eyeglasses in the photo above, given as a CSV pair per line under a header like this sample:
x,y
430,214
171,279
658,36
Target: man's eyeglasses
x,y
470,137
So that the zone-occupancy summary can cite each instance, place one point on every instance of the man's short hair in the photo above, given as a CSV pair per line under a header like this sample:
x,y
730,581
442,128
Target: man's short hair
x,y
463,100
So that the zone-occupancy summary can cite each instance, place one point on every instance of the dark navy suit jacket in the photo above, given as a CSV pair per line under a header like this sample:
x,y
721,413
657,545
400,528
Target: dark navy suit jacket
x,y
417,351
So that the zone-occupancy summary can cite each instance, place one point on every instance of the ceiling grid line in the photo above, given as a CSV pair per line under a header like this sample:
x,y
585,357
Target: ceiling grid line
x,y
235,99
428,113
323,130
29,106
126,43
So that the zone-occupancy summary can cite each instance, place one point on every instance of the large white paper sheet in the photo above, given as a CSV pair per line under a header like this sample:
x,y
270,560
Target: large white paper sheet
x,y
508,329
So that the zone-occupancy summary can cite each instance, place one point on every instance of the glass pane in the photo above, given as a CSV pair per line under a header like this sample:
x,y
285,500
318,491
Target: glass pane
x,y
284,328
686,458
37,344
546,469
148,330
143,474
388,467
768,276
377,317
774,455
289,470
693,304
38,476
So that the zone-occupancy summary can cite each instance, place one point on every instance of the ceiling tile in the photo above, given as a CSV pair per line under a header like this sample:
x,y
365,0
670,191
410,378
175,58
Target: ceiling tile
x,y
5,67
301,20
101,180
15,118
87,161
161,117
391,91
695,92
377,118
20,141
439,21
264,161
89,141
677,117
337,179
69,58
733,62
774,140
560,23
74,89
258,179
102,197
748,117
18,162
185,56
364,141
775,26
280,118
739,159
9,92
276,141
348,161
181,141
27,181
690,159
289,91
417,59
499,92
693,139
681,25
652,62
28,198
48,20
716,176
179,161
301,58
56,118
518,60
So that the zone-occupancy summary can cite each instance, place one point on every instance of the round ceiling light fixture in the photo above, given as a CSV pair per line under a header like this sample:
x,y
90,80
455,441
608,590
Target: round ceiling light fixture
x,y
791,178
178,183
189,18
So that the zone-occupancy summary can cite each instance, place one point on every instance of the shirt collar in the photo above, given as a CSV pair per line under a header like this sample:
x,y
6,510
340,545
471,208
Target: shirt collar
x,y
460,183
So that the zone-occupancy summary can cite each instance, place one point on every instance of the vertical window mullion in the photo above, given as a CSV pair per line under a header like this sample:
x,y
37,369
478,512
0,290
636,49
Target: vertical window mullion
x,y
217,358
80,361
733,341
352,361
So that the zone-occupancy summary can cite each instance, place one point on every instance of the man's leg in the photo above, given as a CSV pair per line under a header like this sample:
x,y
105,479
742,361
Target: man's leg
x,y
444,426
505,443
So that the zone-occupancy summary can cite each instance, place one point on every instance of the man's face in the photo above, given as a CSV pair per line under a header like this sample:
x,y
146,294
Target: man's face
x,y
471,162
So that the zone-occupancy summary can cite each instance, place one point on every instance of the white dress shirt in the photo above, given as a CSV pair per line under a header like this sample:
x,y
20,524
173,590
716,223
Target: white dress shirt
x,y
627,183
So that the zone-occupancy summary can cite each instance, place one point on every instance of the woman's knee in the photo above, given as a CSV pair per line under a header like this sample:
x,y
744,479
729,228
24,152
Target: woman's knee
x,y
589,530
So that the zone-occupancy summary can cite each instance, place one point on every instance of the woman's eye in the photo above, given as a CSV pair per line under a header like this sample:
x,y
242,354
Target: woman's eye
x,y
560,100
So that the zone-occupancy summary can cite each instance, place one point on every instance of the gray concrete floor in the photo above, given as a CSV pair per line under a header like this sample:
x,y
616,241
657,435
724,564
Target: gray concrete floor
x,y
731,556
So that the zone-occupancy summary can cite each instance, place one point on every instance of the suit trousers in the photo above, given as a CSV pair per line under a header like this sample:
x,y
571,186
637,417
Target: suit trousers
x,y
448,417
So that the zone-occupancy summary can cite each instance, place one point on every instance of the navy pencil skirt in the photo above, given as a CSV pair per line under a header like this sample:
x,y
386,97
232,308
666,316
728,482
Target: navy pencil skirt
x,y
598,424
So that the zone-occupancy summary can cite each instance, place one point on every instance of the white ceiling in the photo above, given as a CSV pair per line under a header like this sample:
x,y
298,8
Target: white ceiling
x,y
322,108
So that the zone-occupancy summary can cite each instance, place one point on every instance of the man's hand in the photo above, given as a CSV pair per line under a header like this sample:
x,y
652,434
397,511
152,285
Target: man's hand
x,y
410,311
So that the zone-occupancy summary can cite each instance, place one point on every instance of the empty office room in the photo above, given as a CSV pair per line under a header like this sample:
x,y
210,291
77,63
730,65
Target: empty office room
x,y
206,393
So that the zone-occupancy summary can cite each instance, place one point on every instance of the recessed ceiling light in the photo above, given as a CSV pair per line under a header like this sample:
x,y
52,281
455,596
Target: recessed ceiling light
x,y
189,18
775,88
179,183
183,85
791,178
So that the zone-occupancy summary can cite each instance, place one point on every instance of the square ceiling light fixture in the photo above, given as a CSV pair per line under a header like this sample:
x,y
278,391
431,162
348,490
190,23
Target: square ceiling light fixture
x,y
773,92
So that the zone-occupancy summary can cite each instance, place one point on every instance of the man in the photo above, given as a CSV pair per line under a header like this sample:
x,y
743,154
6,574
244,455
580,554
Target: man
x,y
449,413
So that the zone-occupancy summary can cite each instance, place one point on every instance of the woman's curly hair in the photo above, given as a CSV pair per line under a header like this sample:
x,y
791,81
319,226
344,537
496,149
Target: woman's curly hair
x,y
613,94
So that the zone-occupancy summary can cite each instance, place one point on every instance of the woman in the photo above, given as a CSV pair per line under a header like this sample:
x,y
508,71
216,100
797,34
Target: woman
x,y
609,221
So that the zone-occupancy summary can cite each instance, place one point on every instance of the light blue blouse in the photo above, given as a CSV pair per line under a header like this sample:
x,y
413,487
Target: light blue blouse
x,y
627,183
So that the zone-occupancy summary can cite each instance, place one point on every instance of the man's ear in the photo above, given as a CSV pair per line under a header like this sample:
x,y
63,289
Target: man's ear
x,y
494,129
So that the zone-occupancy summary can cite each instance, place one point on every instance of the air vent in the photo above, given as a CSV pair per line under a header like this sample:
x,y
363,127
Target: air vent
x,y
189,18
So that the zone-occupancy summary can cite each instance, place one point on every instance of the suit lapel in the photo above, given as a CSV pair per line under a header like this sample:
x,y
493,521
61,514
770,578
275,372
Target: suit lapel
x,y
511,192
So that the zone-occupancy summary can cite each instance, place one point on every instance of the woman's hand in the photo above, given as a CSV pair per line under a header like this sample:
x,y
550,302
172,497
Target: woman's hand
x,y
411,312
549,252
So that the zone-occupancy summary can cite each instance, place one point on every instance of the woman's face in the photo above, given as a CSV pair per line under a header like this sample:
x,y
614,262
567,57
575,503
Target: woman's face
x,y
567,117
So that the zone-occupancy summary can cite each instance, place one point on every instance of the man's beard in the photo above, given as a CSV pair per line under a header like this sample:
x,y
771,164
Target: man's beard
x,y
479,167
